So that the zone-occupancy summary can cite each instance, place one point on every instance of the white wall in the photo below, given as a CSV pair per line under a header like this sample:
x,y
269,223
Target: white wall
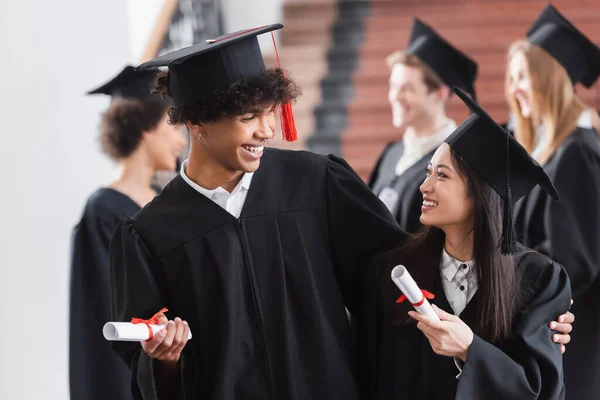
x,y
52,52
143,15
240,14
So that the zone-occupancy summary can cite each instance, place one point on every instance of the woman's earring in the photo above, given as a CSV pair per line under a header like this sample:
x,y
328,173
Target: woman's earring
x,y
199,136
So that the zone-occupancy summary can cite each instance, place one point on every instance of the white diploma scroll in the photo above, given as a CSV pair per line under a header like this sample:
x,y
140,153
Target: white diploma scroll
x,y
413,293
129,332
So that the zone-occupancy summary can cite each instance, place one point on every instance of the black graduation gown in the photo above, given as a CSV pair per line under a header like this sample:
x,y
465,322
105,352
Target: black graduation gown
x,y
395,359
264,294
95,372
569,232
408,207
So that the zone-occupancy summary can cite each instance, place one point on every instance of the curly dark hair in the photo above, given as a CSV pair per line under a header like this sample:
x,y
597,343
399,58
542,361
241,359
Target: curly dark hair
x,y
125,121
271,87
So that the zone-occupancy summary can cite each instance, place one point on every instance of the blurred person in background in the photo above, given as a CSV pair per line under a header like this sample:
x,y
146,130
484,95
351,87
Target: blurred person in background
x,y
561,133
134,132
420,81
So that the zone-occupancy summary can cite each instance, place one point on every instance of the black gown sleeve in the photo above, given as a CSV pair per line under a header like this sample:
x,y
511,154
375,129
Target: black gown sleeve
x,y
533,370
139,290
375,172
573,223
94,371
360,226
368,324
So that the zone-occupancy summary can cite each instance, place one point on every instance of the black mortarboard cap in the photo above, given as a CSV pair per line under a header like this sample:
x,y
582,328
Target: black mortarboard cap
x,y
197,71
500,160
563,41
129,83
452,66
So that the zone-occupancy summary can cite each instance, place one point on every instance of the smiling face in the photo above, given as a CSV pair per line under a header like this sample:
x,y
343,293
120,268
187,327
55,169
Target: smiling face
x,y
237,143
519,84
412,101
445,194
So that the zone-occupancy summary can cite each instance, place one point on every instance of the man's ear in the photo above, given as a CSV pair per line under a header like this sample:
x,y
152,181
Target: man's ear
x,y
195,130
443,93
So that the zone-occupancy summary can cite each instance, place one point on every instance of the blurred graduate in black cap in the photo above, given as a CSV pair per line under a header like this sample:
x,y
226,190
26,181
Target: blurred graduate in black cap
x,y
134,132
420,81
255,250
493,296
562,134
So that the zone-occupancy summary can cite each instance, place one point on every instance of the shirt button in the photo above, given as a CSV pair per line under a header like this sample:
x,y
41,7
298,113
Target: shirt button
x,y
464,266
462,287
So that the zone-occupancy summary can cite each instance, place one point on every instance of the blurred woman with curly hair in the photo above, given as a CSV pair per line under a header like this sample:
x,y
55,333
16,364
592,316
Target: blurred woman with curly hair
x,y
135,133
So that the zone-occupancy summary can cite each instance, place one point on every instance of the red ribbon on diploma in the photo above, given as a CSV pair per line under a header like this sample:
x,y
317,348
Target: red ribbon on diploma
x,y
426,295
148,322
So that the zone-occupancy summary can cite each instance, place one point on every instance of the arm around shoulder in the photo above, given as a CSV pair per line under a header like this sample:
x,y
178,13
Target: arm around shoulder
x,y
532,368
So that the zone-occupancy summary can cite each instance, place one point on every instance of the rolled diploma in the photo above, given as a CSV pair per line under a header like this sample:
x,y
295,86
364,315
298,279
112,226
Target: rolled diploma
x,y
128,332
408,286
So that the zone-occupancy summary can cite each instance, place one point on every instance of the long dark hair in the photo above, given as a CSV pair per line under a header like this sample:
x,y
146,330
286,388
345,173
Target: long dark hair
x,y
498,287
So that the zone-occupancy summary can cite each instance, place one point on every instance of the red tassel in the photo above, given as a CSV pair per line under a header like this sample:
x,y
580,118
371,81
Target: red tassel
x,y
288,125
286,116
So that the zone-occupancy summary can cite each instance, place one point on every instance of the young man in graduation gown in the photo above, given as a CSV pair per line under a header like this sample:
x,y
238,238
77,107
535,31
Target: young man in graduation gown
x,y
420,81
260,261
258,250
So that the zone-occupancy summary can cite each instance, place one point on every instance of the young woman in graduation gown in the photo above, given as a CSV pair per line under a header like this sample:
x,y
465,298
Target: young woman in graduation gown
x,y
134,133
492,340
420,81
561,133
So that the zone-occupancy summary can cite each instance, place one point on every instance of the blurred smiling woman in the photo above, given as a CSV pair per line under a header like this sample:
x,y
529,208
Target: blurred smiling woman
x,y
562,134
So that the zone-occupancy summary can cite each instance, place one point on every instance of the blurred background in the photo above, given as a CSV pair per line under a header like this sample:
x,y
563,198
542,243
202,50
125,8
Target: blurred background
x,y
52,52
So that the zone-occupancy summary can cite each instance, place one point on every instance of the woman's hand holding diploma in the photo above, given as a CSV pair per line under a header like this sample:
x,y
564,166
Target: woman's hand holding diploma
x,y
449,336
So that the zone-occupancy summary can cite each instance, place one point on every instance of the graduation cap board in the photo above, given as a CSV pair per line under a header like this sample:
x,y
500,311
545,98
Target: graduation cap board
x,y
452,66
129,84
197,72
563,41
500,160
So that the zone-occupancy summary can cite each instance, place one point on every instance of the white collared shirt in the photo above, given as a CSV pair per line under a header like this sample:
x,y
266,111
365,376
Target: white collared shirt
x,y
459,280
230,202
416,148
